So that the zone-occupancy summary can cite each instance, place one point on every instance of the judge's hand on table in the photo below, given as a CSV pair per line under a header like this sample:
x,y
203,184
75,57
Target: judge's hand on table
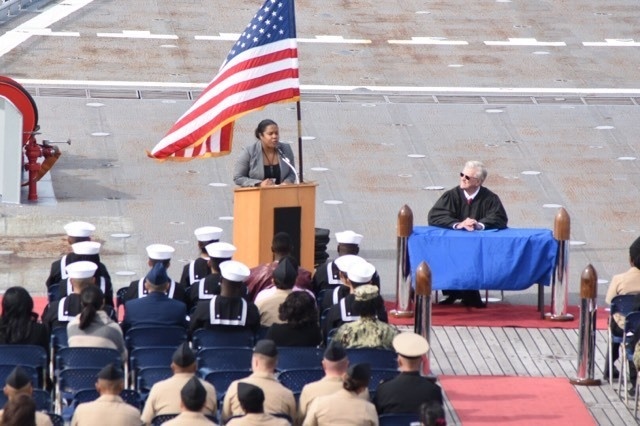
x,y
468,224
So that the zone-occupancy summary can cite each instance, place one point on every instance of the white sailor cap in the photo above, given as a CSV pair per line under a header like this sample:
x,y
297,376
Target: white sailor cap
x,y
220,250
344,262
86,247
348,237
234,270
208,233
160,251
79,229
81,269
361,272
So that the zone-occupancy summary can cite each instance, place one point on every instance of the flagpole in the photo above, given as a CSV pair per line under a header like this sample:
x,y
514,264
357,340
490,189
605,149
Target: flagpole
x,y
298,109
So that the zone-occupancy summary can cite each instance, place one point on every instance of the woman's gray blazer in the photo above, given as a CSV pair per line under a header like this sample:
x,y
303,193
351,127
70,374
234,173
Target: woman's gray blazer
x,y
249,167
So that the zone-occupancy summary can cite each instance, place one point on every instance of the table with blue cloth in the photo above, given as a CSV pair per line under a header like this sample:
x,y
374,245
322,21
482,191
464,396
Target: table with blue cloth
x,y
506,259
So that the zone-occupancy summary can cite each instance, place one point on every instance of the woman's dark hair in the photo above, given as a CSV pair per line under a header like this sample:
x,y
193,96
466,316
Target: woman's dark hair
x,y
91,300
432,414
298,309
19,411
17,319
352,385
368,308
262,126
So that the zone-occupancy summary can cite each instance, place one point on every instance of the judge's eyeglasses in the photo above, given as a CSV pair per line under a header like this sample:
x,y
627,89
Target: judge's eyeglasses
x,y
467,177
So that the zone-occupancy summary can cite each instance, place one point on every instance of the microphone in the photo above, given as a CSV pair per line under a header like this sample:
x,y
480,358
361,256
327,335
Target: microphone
x,y
288,163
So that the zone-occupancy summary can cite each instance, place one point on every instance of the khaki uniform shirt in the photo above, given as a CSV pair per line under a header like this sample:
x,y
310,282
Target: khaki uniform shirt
x,y
324,386
366,333
269,306
625,283
189,418
277,398
341,408
42,419
164,397
107,410
261,419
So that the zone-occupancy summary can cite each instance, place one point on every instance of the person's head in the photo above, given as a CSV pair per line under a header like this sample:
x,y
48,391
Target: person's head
x,y
81,274
348,242
432,414
207,235
281,245
18,383
634,253
193,395
251,398
335,361
234,274
85,250
360,273
91,301
410,348
367,301
110,380
20,411
159,253
268,134
265,356
472,176
16,304
219,252
343,263
78,232
357,378
183,359
298,309
285,274
157,279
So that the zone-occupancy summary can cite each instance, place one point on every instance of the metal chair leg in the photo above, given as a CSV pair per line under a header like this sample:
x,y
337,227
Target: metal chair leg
x,y
610,356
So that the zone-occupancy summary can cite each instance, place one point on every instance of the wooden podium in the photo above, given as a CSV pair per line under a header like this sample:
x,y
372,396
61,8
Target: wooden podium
x,y
260,213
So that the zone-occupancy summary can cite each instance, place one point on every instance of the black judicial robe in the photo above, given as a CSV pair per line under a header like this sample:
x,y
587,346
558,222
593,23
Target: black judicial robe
x,y
452,207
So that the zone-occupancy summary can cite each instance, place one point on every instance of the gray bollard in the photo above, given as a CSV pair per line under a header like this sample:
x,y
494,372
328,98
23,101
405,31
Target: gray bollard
x,y
587,343
560,284
423,309
403,269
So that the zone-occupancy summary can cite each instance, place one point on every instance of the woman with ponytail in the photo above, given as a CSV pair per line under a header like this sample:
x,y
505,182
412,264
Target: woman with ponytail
x,y
93,327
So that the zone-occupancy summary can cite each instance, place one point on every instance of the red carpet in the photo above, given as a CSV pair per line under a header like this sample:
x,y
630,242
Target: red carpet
x,y
500,400
499,315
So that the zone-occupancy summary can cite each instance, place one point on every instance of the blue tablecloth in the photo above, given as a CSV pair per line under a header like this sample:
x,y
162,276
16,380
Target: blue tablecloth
x,y
509,259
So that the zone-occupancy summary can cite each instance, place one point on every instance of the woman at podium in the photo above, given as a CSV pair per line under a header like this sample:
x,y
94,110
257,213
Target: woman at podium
x,y
267,162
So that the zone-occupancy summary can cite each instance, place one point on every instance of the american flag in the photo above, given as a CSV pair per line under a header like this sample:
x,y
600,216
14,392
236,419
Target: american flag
x,y
260,69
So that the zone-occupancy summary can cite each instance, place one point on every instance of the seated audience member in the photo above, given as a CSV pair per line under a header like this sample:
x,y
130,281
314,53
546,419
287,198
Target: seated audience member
x,y
88,251
252,402
359,274
93,327
327,275
18,385
260,277
209,286
229,311
157,254
300,322
58,313
164,397
156,309
409,390
625,283
345,407
20,411
269,300
367,331
193,397
109,408
76,232
339,292
432,414
18,324
199,267
278,399
335,364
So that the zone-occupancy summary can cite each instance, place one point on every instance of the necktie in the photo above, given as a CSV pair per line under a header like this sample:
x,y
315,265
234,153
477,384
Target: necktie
x,y
469,200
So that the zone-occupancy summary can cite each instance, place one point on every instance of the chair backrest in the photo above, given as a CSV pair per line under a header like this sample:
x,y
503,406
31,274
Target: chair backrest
x,y
158,420
59,338
622,304
204,338
225,358
379,375
56,419
84,395
397,419
222,379
295,379
132,397
147,377
86,357
120,296
151,336
631,332
294,357
378,358
26,355
72,380
42,399
53,292
151,357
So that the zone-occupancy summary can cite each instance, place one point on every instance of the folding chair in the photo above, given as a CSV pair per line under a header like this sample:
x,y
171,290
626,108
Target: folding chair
x,y
204,338
222,379
378,358
397,419
379,375
147,377
631,327
42,399
295,357
57,341
225,358
72,380
149,357
86,357
296,379
151,336
622,304
53,292
27,355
